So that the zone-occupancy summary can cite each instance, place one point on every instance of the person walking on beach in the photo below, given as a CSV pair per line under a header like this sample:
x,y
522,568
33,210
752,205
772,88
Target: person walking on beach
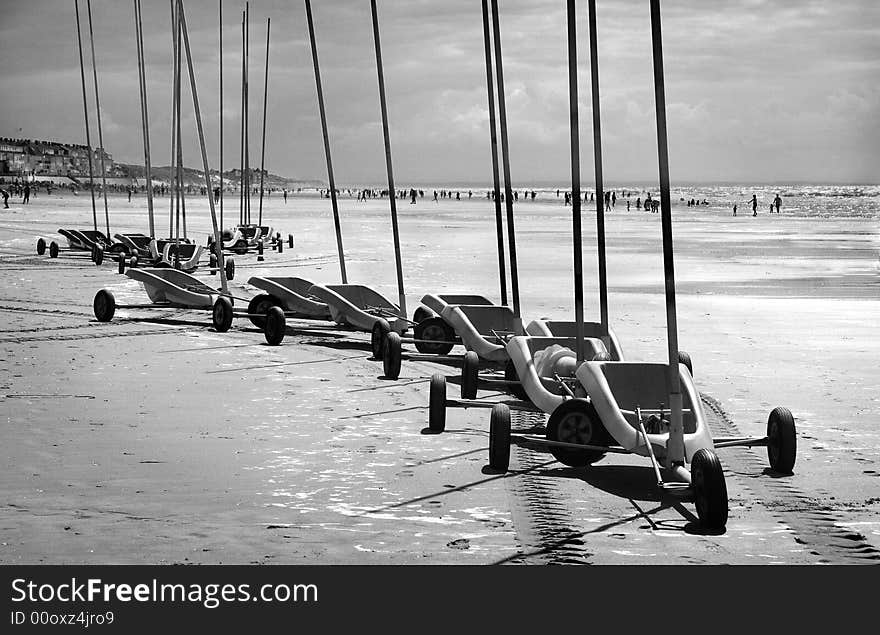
x,y
734,209
777,202
129,195
27,194
5,196
754,205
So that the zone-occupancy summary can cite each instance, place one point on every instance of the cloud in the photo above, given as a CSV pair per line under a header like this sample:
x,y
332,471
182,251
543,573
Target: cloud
x,y
755,90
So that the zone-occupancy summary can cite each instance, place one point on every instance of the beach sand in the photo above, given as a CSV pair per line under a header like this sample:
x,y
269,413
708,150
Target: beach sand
x,y
163,441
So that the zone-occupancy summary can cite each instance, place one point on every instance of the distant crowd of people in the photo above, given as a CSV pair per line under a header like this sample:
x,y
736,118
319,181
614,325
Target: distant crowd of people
x,y
650,204
776,204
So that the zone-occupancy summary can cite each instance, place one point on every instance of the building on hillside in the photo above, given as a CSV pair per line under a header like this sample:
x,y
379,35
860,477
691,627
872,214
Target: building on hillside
x,y
26,159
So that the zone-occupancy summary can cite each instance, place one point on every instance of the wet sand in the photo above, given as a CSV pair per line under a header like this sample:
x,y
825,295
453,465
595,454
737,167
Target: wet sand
x,y
164,442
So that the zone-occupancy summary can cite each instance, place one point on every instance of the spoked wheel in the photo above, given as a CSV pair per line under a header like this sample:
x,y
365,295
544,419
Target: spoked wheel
x,y
469,375
515,388
576,421
499,438
221,315
422,313
381,328
433,336
710,490
41,246
684,358
276,325
104,305
391,355
781,440
53,249
437,404
259,306
230,268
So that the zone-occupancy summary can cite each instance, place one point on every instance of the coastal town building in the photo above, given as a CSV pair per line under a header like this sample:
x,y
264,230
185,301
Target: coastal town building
x,y
31,160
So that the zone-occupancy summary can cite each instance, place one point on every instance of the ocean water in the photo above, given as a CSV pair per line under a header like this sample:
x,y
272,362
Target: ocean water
x,y
801,200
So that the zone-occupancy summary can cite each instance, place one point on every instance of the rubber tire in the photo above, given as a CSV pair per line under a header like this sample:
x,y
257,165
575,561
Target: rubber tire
x,y
434,328
515,389
594,434
684,358
53,249
221,314
781,440
422,313
710,490
41,246
280,247
212,264
499,438
470,375
240,247
391,355
104,305
99,256
260,305
380,329
230,269
437,404
121,262
290,240
276,325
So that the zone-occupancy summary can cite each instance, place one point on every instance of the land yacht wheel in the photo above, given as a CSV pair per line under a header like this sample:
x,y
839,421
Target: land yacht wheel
x,y
99,256
433,336
469,377
221,315
41,246
576,421
290,240
781,440
121,262
422,313
684,358
275,325
230,269
437,404
259,306
391,354
710,490
53,249
499,438
515,388
381,328
104,305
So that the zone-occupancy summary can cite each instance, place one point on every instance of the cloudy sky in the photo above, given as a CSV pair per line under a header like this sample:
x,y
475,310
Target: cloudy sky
x,y
757,91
